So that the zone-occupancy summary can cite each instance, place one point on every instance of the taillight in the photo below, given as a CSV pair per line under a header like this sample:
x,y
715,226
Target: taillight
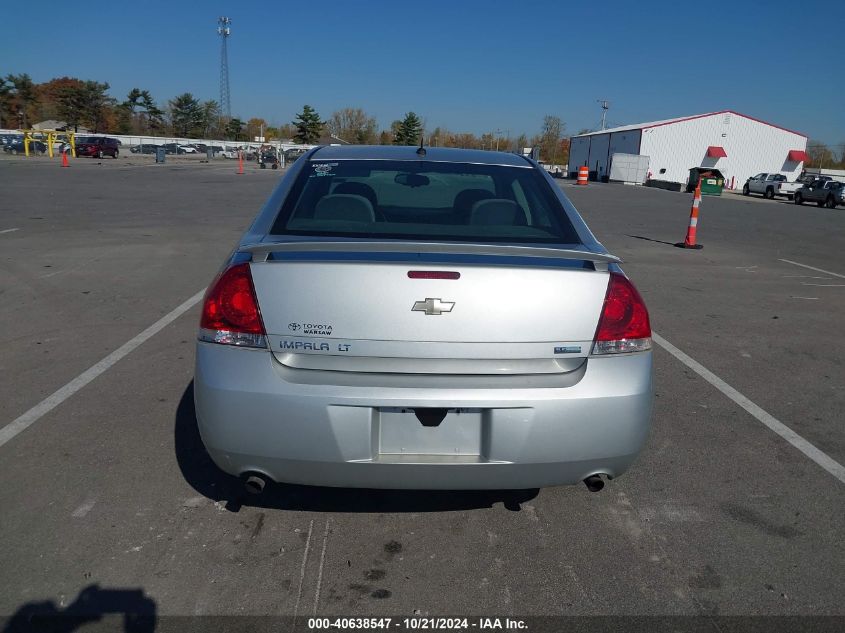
x,y
624,325
230,313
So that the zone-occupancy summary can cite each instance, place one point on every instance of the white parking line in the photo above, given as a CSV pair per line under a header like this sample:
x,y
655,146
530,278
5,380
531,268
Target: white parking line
x,y
9,230
302,574
818,270
84,509
52,401
320,572
822,459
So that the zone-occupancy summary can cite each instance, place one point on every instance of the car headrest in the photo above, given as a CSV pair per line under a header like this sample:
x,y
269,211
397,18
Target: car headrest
x,y
497,211
343,206
468,197
358,189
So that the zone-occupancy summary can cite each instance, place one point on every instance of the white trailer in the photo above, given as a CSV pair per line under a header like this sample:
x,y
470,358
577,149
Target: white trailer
x,y
630,169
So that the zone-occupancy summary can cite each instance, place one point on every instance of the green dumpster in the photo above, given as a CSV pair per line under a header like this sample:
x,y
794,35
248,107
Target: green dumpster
x,y
712,181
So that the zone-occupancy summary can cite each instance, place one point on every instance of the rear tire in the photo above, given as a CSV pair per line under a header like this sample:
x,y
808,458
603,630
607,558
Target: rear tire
x,y
745,190
100,154
770,193
116,152
830,203
798,198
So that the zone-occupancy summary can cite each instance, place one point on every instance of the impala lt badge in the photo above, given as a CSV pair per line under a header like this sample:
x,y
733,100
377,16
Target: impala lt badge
x,y
433,306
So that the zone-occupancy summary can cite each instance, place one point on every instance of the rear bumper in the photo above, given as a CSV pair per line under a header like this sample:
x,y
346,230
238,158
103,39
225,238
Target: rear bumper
x,y
330,428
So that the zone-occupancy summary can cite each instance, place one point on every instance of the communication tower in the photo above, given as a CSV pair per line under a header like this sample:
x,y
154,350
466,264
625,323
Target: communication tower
x,y
223,30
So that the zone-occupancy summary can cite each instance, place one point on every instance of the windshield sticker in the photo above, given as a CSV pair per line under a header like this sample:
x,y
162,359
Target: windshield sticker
x,y
323,169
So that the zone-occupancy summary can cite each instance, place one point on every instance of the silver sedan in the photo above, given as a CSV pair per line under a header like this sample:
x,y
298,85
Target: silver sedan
x,y
428,318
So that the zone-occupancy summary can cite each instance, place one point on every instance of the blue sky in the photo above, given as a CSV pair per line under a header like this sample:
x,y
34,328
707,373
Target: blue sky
x,y
468,65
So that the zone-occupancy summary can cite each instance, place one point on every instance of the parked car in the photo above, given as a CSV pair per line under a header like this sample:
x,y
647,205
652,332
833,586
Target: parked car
x,y
17,147
827,193
766,184
788,189
188,149
292,154
173,148
96,146
8,139
144,148
433,318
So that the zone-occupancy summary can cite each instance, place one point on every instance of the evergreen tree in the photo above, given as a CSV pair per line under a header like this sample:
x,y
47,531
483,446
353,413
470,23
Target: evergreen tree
x,y
155,115
210,111
97,105
409,130
234,128
186,115
308,126
70,103
5,92
24,97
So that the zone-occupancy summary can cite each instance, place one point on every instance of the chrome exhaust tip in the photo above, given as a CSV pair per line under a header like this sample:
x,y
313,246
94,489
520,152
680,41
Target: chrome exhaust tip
x,y
594,483
255,483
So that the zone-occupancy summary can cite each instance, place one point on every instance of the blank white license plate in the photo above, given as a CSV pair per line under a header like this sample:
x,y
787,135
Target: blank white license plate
x,y
402,433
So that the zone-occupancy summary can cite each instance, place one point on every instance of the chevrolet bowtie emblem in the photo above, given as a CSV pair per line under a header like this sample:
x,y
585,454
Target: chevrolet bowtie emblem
x,y
433,306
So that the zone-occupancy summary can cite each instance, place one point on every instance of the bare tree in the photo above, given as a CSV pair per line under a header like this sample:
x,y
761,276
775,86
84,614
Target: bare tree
x,y
820,155
353,125
550,135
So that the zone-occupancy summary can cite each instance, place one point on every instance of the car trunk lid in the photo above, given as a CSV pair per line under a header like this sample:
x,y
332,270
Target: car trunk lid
x,y
536,308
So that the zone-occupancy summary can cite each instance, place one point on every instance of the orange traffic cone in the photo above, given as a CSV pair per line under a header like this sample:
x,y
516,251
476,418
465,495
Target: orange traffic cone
x,y
64,159
583,175
689,240
240,163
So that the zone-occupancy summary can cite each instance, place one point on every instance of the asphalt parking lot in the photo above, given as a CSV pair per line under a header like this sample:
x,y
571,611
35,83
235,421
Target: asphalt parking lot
x,y
107,494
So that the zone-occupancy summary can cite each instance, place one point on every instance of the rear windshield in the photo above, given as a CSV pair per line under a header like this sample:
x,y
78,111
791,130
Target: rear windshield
x,y
424,200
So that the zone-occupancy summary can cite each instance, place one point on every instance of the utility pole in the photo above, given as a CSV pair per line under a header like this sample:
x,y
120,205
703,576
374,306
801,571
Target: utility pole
x,y
605,106
223,30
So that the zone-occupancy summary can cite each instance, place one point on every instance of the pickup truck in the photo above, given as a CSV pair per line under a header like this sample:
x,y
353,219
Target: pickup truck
x,y
767,184
827,193
788,189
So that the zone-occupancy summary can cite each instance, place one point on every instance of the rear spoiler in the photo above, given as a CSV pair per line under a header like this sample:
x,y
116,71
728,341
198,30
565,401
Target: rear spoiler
x,y
260,252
